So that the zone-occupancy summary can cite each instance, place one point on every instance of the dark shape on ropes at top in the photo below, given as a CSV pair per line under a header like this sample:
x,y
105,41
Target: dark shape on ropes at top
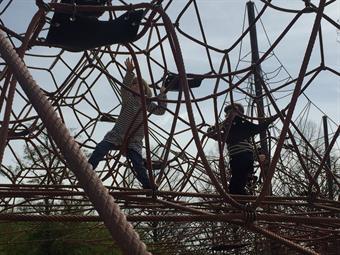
x,y
172,82
78,32
87,2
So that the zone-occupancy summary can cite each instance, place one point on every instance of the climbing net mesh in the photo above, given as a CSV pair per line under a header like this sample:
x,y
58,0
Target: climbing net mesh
x,y
293,206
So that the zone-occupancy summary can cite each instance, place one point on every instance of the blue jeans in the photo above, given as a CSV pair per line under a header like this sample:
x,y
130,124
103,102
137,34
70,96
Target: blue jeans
x,y
136,159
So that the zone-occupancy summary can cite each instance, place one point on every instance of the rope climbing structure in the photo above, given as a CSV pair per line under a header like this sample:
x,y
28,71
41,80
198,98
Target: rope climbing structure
x,y
61,72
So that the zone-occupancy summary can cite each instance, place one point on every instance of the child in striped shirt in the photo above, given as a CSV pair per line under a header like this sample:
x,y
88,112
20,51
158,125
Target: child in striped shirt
x,y
240,149
128,133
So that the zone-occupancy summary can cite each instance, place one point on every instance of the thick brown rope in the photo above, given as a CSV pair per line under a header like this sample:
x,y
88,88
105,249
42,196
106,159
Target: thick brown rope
x,y
121,230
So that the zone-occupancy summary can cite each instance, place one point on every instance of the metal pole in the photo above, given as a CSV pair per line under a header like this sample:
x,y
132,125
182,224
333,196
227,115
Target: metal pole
x,y
258,92
257,82
328,160
257,72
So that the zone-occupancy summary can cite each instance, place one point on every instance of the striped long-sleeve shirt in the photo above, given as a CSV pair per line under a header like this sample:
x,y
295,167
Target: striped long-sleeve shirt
x,y
129,124
240,147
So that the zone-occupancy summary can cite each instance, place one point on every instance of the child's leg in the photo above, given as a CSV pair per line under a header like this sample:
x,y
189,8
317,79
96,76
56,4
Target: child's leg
x,y
139,169
240,167
99,152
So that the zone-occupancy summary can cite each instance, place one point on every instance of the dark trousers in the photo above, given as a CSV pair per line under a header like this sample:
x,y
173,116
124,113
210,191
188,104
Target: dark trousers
x,y
136,159
241,166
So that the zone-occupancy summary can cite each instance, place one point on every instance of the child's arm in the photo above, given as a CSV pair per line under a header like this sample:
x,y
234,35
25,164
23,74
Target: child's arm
x,y
159,109
223,127
212,133
127,81
265,124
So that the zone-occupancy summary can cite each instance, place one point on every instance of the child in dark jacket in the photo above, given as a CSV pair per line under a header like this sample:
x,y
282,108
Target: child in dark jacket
x,y
128,133
236,132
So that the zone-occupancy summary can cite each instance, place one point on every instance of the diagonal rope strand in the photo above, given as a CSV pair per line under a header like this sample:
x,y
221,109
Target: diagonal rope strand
x,y
121,230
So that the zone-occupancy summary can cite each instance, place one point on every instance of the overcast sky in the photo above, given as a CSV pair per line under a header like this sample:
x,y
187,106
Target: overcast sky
x,y
222,22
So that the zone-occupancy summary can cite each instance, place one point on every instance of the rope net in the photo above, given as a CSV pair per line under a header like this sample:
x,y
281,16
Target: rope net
x,y
293,204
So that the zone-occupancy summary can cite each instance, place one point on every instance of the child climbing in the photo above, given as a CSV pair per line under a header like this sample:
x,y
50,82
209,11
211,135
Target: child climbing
x,y
236,132
128,133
